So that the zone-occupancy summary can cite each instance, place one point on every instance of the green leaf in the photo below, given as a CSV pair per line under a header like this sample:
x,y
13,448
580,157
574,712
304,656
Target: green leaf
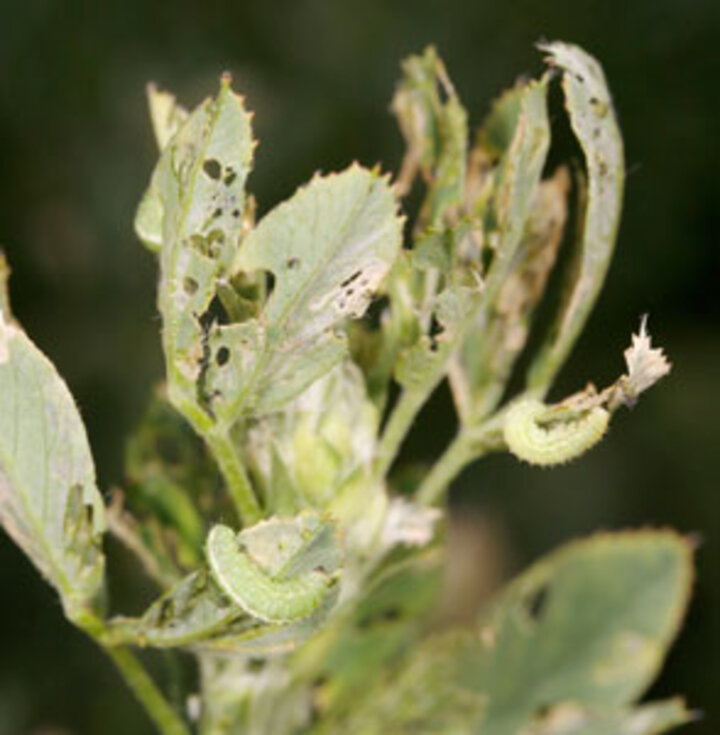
x,y
589,625
49,502
328,248
197,193
593,121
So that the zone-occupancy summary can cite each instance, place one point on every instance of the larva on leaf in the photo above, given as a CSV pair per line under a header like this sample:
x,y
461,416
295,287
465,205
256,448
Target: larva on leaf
x,y
271,594
535,435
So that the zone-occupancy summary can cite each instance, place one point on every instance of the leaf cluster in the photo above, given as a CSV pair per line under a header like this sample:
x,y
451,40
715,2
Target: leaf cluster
x,y
293,564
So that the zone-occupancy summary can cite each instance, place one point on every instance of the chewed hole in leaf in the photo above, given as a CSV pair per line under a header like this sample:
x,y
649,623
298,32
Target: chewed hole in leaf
x,y
209,245
212,168
351,279
190,286
436,329
230,176
387,615
269,282
222,357
536,603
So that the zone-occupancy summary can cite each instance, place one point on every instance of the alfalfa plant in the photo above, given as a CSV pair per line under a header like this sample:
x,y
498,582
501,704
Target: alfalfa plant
x,y
259,498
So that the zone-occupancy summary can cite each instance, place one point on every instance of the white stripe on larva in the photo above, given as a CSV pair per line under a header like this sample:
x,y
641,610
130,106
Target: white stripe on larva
x,y
555,443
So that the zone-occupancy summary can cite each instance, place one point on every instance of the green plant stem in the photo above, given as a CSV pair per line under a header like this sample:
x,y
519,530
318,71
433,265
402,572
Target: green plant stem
x,y
469,444
236,477
166,719
398,425
454,459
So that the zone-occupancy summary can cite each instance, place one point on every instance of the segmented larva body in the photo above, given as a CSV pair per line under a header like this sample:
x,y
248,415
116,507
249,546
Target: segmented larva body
x,y
260,595
555,444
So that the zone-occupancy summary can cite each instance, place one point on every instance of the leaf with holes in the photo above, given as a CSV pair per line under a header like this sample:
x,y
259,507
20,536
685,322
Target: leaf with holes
x,y
49,502
327,248
198,195
588,625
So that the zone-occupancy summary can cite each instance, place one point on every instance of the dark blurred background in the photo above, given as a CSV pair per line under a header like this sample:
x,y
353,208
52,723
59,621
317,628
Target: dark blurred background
x,y
76,152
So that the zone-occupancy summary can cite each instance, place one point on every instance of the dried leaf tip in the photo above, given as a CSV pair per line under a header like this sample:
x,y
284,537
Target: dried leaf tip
x,y
645,364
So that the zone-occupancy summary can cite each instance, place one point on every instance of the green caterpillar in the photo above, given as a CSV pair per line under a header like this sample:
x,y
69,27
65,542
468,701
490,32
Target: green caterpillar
x,y
554,443
272,599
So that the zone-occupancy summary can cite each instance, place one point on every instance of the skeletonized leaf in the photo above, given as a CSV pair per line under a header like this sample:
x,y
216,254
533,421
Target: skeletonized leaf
x,y
593,121
435,131
328,248
518,120
460,308
590,624
482,368
49,502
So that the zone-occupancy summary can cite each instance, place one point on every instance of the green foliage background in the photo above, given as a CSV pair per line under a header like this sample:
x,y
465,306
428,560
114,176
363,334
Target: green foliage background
x,y
76,151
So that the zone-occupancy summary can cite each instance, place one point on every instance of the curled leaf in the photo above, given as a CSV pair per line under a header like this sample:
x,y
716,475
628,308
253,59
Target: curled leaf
x,y
593,121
